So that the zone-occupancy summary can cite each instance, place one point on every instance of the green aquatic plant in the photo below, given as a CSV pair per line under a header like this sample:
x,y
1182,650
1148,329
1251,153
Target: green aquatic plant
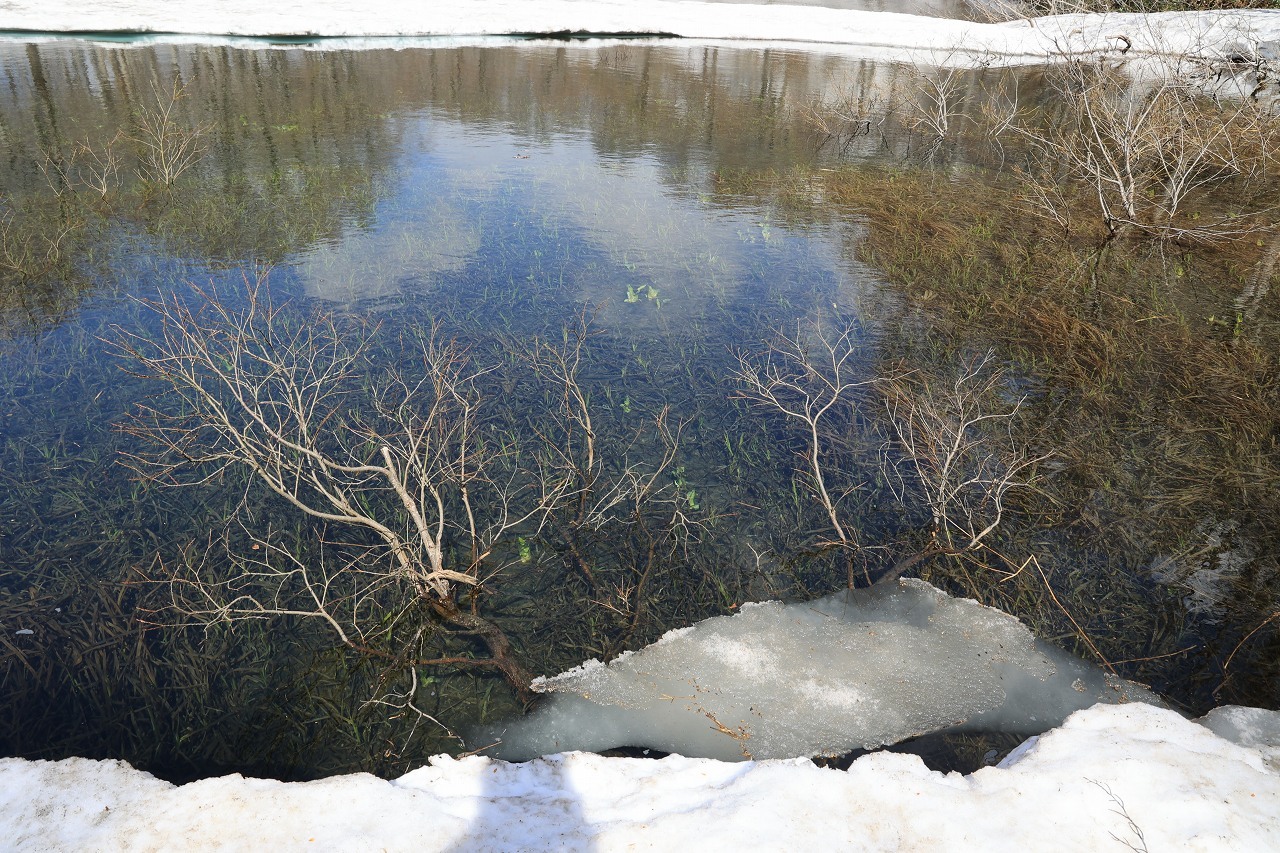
x,y
648,291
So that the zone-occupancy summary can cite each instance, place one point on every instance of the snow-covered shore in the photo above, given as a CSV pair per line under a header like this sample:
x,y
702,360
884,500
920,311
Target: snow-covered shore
x,y
1107,775
870,34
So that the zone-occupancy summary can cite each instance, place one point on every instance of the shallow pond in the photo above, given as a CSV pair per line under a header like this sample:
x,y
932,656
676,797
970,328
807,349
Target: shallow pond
x,y
678,198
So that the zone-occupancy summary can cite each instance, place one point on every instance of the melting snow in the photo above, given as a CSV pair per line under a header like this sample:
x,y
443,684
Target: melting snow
x,y
1076,788
864,33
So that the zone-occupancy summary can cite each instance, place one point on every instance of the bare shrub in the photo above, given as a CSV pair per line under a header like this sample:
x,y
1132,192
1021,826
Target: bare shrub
x,y
1144,152
937,102
99,168
424,500
1001,10
952,450
166,146
35,243
419,498
840,121
942,99
83,167
598,494
812,377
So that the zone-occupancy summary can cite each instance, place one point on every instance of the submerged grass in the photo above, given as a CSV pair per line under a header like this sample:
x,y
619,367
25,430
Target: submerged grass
x,y
1154,380
1150,371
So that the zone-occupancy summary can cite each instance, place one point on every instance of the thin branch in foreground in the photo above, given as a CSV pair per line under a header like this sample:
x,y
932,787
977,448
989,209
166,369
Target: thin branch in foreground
x,y
952,446
810,379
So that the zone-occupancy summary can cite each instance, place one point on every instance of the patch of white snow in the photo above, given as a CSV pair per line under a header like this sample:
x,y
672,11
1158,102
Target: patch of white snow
x,y
1077,788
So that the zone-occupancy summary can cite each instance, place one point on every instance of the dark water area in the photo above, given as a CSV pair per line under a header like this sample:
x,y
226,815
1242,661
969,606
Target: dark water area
x,y
499,195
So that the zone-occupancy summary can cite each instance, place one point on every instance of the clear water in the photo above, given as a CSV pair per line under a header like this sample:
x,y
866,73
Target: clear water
x,y
498,192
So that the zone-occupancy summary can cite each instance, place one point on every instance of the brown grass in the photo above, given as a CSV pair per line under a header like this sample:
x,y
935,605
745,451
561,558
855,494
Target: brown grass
x,y
1159,400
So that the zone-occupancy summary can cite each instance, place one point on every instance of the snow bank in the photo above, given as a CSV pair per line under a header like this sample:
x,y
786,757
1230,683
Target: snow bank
x,y
1077,788
863,33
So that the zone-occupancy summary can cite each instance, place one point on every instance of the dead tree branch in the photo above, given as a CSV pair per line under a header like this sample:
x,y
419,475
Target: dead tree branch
x,y
811,377
952,448
396,462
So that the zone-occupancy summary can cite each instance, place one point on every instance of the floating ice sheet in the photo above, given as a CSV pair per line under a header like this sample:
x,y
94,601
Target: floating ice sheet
x,y
858,669
1253,728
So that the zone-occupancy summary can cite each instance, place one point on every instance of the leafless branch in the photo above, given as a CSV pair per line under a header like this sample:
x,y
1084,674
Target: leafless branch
x,y
397,460
1143,149
809,377
165,145
418,491
952,447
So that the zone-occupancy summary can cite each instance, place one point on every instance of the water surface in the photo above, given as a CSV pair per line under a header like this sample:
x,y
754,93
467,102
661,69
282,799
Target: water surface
x,y
500,194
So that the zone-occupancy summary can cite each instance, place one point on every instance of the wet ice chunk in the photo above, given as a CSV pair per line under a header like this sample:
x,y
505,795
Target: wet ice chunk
x,y
860,668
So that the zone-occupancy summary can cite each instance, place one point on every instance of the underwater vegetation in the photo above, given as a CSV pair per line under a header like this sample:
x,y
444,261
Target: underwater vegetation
x,y
469,388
